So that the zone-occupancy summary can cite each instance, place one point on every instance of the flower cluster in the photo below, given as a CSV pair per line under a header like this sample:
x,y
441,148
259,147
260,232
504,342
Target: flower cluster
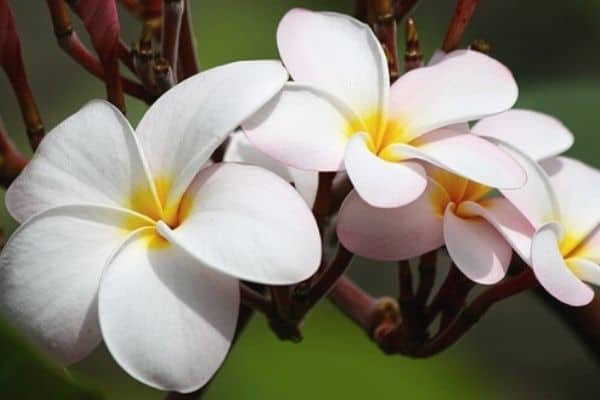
x,y
134,238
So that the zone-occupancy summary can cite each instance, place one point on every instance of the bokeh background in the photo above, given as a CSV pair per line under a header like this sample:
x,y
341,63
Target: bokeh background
x,y
519,350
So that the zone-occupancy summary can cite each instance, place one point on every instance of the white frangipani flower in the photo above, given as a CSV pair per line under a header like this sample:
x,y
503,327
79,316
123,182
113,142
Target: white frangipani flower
x,y
478,231
241,150
340,111
560,200
126,239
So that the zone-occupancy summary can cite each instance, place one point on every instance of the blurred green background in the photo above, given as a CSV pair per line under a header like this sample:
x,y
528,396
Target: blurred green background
x,y
518,351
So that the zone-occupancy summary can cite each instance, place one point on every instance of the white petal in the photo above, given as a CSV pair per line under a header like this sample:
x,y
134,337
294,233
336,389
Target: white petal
x,y
393,233
507,220
50,270
466,85
338,54
247,222
91,157
536,134
241,150
165,318
585,270
186,124
552,272
476,248
379,182
577,188
303,127
466,155
536,199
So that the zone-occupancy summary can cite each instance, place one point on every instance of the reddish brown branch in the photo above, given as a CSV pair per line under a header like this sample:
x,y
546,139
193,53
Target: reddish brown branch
x,y
473,312
354,302
462,16
331,273
381,18
427,270
12,161
322,205
361,10
171,28
255,300
187,46
71,44
12,63
413,58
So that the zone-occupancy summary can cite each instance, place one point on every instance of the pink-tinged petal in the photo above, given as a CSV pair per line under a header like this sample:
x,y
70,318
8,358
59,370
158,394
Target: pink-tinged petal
x,y
166,319
589,248
466,85
466,155
185,125
247,222
101,22
338,54
437,56
577,188
585,270
551,270
92,157
303,127
379,182
393,233
476,248
241,150
536,134
506,219
50,271
536,199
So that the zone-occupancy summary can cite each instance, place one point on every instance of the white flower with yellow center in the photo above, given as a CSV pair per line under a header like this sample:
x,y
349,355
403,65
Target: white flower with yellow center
x,y
478,230
340,112
126,239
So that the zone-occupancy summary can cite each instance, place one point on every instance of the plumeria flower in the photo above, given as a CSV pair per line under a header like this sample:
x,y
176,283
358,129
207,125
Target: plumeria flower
x,y
560,200
478,230
126,239
340,112
241,150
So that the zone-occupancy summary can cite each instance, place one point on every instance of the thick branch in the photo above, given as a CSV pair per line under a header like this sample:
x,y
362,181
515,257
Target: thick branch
x,y
462,16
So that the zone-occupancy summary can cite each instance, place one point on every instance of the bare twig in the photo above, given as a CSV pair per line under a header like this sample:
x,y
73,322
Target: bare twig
x,y
462,16
171,27
187,46
381,18
413,58
12,63
331,273
12,161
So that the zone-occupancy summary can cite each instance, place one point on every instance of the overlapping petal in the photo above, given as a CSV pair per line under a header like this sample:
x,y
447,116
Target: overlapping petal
x,y
379,182
585,270
551,270
464,86
589,248
393,233
185,125
50,271
476,247
166,319
577,188
536,199
338,54
303,127
538,135
506,219
90,158
249,223
466,155
240,149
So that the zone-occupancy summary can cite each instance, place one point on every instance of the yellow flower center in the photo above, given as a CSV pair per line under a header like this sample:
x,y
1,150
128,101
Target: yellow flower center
x,y
455,189
151,205
382,132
